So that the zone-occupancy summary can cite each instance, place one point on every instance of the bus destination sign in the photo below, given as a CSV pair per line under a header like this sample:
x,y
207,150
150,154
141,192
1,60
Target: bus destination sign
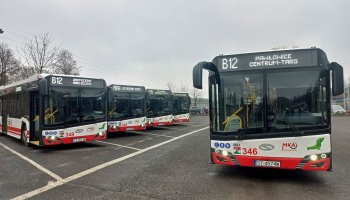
x,y
267,60
159,92
75,82
123,88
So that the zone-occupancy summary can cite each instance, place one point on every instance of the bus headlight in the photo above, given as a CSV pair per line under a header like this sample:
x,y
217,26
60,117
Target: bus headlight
x,y
224,153
53,137
100,133
323,156
313,157
114,126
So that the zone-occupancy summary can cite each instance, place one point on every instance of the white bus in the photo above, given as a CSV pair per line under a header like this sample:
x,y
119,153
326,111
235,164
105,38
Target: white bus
x,y
54,109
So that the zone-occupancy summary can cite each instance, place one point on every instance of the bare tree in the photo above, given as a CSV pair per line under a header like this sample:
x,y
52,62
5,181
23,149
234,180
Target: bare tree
x,y
195,93
65,64
184,88
40,54
171,85
9,65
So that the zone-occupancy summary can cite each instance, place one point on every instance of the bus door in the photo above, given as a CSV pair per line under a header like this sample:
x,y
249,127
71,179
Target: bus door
x,y
34,116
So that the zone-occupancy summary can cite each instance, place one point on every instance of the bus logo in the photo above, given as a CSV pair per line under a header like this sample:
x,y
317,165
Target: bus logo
x,y
50,132
289,146
222,145
79,131
317,145
266,147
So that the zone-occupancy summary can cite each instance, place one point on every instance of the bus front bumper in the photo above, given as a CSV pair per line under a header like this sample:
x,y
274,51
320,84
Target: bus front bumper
x,y
321,163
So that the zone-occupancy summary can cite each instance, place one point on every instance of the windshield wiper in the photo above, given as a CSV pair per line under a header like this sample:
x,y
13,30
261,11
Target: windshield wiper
x,y
288,122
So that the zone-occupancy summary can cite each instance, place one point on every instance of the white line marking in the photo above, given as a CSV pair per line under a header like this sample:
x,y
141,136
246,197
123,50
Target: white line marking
x,y
119,145
141,133
94,169
50,173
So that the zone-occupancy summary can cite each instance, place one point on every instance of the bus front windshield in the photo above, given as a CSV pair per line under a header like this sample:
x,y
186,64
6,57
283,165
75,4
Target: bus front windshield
x,y
181,105
66,105
160,105
127,106
283,101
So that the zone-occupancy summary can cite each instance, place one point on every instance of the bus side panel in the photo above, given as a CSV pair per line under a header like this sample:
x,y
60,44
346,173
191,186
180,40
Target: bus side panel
x,y
14,126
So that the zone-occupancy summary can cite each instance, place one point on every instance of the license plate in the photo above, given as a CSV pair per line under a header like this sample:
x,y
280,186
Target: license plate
x,y
265,163
129,129
79,139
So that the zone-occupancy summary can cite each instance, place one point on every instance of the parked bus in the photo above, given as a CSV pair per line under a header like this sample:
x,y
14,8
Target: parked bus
x,y
54,109
126,108
272,109
159,107
182,102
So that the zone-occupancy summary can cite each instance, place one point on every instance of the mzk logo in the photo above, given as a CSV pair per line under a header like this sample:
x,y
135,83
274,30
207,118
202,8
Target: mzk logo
x,y
317,145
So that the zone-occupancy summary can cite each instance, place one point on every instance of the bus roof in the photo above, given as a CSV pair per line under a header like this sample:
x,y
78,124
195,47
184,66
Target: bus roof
x,y
290,58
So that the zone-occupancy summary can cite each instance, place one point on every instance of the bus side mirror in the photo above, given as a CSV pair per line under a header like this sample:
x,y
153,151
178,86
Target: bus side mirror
x,y
43,88
197,73
337,79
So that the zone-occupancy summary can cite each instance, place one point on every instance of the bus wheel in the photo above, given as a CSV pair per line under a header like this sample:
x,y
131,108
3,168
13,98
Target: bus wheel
x,y
24,136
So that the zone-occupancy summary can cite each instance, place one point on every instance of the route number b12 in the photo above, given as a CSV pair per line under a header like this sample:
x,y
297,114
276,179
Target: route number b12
x,y
229,63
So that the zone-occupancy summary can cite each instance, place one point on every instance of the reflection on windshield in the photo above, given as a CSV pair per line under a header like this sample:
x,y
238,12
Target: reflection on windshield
x,y
72,105
159,106
181,105
127,106
293,100
243,103
298,97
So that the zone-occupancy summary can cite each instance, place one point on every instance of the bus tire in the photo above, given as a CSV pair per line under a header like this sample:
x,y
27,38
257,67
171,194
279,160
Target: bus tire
x,y
24,136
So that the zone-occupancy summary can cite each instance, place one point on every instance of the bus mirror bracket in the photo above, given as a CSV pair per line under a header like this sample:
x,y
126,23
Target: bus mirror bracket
x,y
337,79
197,73
43,88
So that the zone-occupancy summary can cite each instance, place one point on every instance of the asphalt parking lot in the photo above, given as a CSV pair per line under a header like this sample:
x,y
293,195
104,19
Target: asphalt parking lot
x,y
162,163
26,169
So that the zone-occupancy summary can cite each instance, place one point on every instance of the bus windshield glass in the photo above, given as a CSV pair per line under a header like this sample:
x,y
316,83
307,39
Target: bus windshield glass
x,y
160,105
270,101
67,105
181,105
127,105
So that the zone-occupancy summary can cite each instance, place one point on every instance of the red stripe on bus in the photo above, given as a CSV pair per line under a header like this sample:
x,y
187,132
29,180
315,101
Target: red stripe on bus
x,y
14,130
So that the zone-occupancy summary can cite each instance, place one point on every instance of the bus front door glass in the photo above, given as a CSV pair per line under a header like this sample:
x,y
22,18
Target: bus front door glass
x,y
242,100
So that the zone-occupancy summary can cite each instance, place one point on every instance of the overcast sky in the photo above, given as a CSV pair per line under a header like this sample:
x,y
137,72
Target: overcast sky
x,y
149,42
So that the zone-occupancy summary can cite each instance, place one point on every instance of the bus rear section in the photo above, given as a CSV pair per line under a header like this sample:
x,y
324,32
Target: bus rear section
x,y
181,107
272,109
126,108
54,109
159,107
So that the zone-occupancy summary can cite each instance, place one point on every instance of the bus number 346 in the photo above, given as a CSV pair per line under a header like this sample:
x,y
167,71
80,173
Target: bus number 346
x,y
250,151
